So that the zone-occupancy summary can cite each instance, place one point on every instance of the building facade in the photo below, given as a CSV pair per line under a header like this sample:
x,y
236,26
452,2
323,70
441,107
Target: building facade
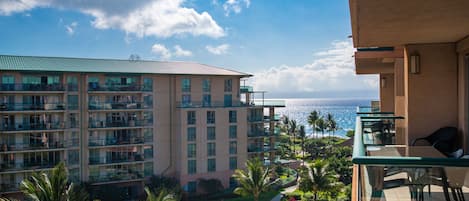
x,y
120,122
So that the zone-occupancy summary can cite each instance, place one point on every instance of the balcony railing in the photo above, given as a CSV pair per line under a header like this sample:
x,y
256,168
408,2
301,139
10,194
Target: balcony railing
x,y
111,124
200,104
117,106
118,87
38,146
31,107
246,89
38,126
117,176
390,171
111,160
26,166
254,119
115,141
31,87
9,187
258,133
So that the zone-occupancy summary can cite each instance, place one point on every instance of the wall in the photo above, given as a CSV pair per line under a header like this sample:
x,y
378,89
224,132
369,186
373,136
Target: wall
x,y
386,92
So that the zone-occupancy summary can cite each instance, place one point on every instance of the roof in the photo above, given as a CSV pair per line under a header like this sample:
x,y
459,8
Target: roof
x,y
89,65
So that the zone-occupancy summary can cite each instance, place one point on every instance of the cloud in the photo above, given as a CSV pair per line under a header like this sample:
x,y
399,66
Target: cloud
x,y
166,54
178,51
235,6
160,18
218,50
332,70
71,28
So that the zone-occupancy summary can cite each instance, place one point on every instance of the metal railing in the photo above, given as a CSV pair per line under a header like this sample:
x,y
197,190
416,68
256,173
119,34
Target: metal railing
x,y
118,87
38,126
29,106
38,146
115,141
112,124
9,166
117,176
201,104
111,160
118,106
32,87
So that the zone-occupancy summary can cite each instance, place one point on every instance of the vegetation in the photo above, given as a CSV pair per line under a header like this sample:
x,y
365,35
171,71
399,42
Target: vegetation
x,y
210,186
163,195
254,180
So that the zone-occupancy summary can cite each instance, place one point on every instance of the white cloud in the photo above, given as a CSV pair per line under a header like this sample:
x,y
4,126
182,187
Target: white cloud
x,y
178,51
162,51
235,6
332,70
218,50
161,18
71,28
166,54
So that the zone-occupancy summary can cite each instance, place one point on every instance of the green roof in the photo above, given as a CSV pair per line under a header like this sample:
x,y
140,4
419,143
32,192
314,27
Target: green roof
x,y
88,65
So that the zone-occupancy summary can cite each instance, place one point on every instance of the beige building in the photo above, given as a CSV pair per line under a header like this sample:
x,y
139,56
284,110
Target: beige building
x,y
120,122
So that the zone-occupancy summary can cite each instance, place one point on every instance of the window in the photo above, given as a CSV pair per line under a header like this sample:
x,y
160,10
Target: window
x,y
148,134
210,117
211,133
207,100
73,157
148,152
72,102
148,169
191,117
233,132
233,116
211,165
233,163
206,85
72,83
8,82
147,84
228,85
186,85
93,83
191,150
186,100
228,100
233,147
211,149
191,166
147,101
191,134
233,182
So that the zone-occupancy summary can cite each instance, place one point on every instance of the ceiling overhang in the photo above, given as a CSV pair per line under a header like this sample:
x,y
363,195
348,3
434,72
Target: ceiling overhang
x,y
377,62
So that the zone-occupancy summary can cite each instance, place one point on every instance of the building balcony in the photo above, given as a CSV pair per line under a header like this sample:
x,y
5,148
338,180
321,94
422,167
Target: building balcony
x,y
265,103
112,160
32,87
115,141
20,166
111,124
211,104
275,118
386,170
246,89
117,88
256,119
9,187
255,149
31,107
258,133
117,106
30,127
59,144
116,176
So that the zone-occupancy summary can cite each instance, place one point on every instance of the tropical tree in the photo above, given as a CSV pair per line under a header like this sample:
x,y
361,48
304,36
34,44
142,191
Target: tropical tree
x,y
163,195
302,134
312,118
322,178
328,121
254,180
292,133
321,126
53,187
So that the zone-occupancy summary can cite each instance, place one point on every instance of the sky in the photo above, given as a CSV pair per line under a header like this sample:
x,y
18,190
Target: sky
x,y
294,49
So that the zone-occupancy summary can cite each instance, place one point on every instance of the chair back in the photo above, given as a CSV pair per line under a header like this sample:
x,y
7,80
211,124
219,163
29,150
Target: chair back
x,y
444,139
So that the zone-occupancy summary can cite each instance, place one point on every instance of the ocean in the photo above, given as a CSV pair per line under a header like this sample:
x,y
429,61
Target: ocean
x,y
343,110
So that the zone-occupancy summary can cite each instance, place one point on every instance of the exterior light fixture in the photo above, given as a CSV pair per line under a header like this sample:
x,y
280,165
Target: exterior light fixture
x,y
414,64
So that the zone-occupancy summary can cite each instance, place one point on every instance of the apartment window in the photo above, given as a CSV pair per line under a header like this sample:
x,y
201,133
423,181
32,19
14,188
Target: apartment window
x,y
233,132
191,166
148,118
211,133
186,85
8,82
210,117
72,83
148,134
191,134
147,84
93,83
211,165
211,149
147,101
233,163
233,147
207,100
191,117
148,169
73,157
148,152
206,85
191,150
228,100
73,120
233,116
72,102
228,85
186,100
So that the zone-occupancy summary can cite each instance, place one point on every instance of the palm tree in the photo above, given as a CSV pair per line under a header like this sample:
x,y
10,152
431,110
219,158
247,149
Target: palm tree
x,y
302,134
312,118
321,177
328,121
254,180
333,127
53,187
292,132
321,125
163,195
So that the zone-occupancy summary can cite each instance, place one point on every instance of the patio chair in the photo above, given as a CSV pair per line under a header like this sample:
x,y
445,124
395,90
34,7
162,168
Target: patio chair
x,y
444,140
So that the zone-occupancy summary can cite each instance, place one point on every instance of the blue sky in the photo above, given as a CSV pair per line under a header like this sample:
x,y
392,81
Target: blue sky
x,y
294,48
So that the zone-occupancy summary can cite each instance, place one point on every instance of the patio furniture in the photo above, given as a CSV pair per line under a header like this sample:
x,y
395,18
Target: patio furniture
x,y
444,140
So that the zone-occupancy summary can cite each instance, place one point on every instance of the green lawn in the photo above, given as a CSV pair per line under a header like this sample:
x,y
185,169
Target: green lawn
x,y
267,196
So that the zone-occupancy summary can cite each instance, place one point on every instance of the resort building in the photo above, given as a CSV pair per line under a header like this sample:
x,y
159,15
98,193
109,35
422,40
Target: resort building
x,y
121,121
420,50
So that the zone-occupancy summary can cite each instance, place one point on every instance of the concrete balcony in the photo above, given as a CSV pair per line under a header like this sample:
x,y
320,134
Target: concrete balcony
x,y
31,87
118,88
32,107
35,127
115,141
